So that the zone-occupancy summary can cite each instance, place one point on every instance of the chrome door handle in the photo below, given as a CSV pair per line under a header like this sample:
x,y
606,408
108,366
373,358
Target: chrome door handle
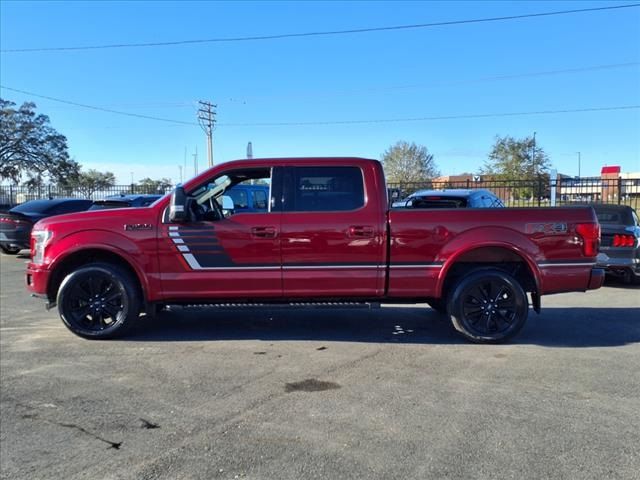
x,y
361,231
264,232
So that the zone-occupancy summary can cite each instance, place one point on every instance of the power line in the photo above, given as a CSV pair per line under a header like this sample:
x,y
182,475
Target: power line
x,y
100,109
316,93
423,119
322,33
340,122
443,83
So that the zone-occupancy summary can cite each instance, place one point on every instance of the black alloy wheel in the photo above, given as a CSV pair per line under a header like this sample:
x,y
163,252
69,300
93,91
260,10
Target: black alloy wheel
x,y
488,306
99,301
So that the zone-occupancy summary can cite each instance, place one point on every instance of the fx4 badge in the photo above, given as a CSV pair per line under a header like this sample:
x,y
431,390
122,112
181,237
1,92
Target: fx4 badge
x,y
130,227
547,228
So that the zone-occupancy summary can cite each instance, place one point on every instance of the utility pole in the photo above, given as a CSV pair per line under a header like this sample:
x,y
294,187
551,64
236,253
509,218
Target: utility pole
x,y
180,169
195,162
578,164
207,120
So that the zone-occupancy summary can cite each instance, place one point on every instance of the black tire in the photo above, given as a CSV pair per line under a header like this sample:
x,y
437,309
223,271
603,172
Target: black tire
x,y
9,250
99,301
488,306
438,304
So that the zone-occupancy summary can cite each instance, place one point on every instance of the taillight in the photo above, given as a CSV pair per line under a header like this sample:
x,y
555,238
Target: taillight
x,y
590,233
624,240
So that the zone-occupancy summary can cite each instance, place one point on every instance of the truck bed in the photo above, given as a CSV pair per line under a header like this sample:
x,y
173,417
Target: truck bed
x,y
425,243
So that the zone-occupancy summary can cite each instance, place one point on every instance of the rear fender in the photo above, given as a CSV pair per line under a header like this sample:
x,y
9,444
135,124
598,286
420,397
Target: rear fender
x,y
482,237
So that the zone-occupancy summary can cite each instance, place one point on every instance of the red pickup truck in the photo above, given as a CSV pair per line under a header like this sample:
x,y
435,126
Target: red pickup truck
x,y
327,236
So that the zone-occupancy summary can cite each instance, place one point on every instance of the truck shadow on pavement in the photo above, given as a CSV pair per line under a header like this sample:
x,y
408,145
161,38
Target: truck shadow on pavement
x,y
555,327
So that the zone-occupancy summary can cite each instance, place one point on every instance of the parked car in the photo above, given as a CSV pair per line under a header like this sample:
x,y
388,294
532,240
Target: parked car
x,y
125,201
16,224
452,198
620,248
327,237
249,198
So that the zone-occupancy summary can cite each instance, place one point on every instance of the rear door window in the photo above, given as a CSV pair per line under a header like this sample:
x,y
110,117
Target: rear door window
x,y
323,189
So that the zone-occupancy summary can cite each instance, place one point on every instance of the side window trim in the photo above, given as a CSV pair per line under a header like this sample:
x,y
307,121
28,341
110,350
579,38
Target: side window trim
x,y
276,190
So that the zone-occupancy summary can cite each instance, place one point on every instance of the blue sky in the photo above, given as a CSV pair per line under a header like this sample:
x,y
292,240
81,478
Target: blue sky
x,y
439,71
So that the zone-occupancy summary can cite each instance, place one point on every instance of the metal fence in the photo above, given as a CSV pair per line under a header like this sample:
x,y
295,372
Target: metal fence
x,y
11,195
539,192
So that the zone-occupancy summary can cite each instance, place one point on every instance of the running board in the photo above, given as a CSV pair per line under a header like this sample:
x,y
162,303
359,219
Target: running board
x,y
231,305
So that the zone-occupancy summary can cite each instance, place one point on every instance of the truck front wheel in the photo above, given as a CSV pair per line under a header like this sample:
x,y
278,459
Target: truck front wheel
x,y
99,301
488,306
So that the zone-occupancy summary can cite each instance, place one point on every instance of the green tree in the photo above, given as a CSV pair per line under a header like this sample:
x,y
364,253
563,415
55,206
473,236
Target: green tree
x,y
87,183
407,162
30,149
520,161
148,185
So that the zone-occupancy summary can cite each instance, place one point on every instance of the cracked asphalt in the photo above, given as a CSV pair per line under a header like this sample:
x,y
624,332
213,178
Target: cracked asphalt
x,y
390,393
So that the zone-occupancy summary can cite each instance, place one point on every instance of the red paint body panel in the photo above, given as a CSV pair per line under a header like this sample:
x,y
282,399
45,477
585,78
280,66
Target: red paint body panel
x,y
337,254
368,253
232,235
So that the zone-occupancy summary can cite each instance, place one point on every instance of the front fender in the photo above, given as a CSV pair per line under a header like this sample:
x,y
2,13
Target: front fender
x,y
482,237
134,253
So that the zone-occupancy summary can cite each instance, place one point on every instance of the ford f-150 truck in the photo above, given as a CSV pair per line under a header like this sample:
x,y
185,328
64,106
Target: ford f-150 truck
x,y
327,236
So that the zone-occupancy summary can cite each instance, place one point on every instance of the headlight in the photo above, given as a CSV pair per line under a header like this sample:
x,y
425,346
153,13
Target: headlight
x,y
39,239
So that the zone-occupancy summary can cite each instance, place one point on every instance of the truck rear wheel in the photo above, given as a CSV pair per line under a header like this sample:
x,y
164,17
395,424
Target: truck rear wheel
x,y
488,306
99,301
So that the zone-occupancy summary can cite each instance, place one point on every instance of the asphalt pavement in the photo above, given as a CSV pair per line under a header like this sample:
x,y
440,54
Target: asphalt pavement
x,y
390,393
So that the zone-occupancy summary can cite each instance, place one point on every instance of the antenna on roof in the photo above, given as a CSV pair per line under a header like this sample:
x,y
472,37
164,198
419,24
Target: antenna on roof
x,y
249,150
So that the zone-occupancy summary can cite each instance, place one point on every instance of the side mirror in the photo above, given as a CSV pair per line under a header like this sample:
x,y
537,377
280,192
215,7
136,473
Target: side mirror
x,y
228,206
178,206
